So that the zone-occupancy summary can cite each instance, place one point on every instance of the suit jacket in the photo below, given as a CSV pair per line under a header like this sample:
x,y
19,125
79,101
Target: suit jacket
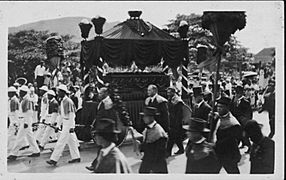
x,y
202,111
162,107
175,114
262,157
201,159
241,110
113,162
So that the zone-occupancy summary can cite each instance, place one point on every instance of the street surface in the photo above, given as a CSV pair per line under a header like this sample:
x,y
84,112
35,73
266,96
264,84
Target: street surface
x,y
176,163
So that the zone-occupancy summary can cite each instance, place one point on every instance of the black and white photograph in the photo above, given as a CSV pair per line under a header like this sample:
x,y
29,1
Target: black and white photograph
x,y
171,89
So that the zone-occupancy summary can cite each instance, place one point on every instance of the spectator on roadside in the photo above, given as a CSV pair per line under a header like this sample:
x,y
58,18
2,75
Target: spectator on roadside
x,y
39,74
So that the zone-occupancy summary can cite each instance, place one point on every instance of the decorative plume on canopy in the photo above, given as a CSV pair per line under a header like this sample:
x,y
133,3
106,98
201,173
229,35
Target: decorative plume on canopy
x,y
223,23
85,27
98,23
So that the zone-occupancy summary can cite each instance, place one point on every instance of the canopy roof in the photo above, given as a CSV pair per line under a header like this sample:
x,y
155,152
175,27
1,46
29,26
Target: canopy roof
x,y
134,40
265,55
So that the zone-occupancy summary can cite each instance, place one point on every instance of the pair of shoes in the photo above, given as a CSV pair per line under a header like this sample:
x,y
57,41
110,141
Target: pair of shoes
x,y
52,162
74,160
25,147
12,158
90,168
34,155
180,152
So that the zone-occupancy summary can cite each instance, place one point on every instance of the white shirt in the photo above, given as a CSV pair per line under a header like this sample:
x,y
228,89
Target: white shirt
x,y
40,71
154,97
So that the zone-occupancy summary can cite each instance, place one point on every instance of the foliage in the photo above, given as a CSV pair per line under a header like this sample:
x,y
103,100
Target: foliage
x,y
27,48
234,51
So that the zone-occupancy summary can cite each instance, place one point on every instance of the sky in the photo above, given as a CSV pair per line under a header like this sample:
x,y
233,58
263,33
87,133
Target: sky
x,y
263,28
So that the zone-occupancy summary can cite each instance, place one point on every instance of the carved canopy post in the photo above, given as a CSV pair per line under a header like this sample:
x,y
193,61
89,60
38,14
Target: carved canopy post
x,y
222,24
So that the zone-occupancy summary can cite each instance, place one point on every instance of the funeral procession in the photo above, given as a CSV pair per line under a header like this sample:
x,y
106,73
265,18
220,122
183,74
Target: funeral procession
x,y
132,97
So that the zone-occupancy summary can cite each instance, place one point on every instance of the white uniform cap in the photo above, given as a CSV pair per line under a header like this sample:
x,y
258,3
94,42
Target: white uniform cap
x,y
24,88
44,88
51,92
12,89
63,88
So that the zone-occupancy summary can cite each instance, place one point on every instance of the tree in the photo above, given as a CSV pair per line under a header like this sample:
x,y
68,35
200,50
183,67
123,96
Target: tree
x,y
27,48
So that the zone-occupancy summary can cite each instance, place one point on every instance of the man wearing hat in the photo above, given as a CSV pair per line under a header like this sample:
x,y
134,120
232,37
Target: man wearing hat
x,y
51,118
269,105
175,107
200,154
153,145
241,109
228,135
262,152
201,108
43,111
25,129
109,158
13,113
68,136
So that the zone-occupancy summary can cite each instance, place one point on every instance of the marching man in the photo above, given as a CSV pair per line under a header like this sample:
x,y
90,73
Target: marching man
x,y
25,129
68,136
52,115
13,111
43,113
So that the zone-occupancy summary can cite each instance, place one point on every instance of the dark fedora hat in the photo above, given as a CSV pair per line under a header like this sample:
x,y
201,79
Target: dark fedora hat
x,y
225,100
198,90
149,111
105,125
198,125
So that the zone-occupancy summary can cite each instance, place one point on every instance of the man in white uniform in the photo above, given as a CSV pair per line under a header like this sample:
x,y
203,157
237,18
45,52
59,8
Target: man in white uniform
x,y
34,98
44,108
25,129
13,112
68,136
52,115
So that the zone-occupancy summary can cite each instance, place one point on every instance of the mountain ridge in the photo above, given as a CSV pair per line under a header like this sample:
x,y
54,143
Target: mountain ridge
x,y
62,26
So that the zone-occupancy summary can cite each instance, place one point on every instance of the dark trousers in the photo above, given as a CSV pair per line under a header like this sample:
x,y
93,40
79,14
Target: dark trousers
x,y
175,138
153,167
40,81
229,165
272,125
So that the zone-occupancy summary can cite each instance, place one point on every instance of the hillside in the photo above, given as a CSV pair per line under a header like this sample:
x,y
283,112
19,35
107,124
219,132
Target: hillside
x,y
63,26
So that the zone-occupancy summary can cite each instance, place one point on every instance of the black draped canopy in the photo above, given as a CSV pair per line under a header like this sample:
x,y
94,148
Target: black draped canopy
x,y
134,40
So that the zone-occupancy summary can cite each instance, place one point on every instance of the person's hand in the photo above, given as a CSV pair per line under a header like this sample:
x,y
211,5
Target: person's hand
x,y
212,115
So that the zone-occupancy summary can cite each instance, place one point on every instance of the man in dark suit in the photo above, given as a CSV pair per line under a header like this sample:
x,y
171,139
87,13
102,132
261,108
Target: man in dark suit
x,y
201,158
262,152
160,103
109,158
175,106
241,109
201,108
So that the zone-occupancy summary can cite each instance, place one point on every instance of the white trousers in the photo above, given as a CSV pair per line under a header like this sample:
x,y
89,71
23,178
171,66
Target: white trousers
x,y
48,131
22,134
12,129
66,138
40,132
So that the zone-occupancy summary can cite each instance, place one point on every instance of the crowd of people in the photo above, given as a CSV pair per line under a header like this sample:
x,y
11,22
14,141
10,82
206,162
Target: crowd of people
x,y
37,116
